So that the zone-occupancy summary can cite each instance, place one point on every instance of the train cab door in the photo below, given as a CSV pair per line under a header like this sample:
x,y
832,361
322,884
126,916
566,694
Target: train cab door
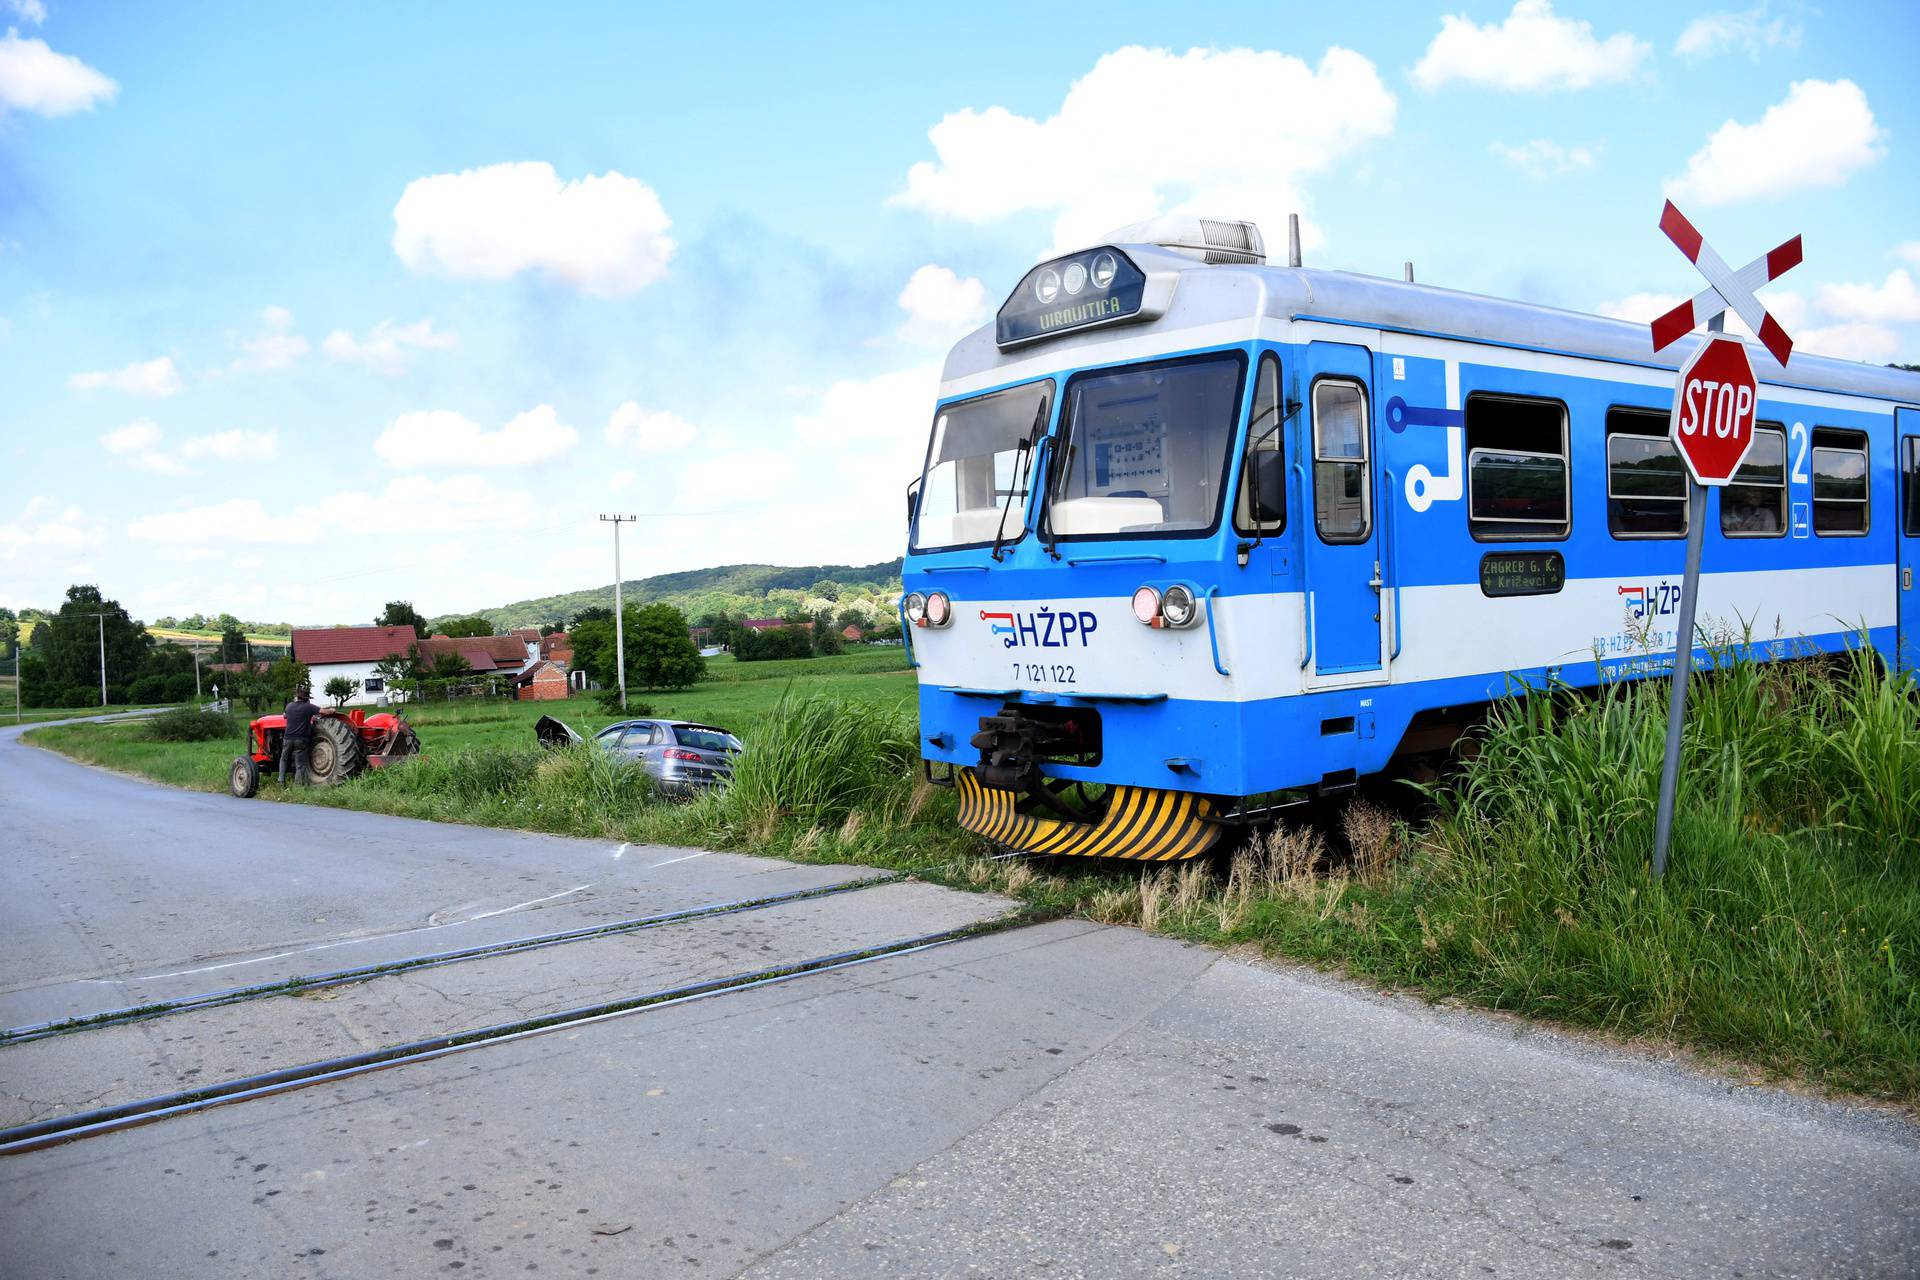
x,y
1341,561
1907,443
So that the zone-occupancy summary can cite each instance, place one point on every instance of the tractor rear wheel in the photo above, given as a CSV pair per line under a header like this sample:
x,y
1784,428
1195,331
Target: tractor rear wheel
x,y
243,779
336,754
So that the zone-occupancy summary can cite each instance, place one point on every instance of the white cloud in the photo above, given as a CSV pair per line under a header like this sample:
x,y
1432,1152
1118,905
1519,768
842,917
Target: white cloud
x,y
1749,29
1542,157
142,378
1895,300
941,306
647,430
278,348
234,446
241,521
1532,51
1859,340
417,504
1819,136
442,438
138,444
35,78
892,406
620,482
28,10
45,530
605,234
1084,164
389,348
722,480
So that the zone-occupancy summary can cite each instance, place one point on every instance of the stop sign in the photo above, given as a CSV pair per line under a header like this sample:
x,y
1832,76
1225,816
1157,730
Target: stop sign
x,y
1713,408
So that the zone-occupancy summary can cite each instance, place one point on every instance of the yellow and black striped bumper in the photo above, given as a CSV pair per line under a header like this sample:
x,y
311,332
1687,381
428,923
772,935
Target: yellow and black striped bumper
x,y
1141,823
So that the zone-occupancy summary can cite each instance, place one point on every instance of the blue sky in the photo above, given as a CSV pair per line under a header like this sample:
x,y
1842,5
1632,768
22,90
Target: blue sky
x,y
301,311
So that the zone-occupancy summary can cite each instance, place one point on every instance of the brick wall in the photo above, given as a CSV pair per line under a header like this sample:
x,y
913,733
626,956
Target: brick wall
x,y
549,684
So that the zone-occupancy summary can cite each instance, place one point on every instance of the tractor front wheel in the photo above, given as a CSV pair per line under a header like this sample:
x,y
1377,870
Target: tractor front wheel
x,y
336,754
243,779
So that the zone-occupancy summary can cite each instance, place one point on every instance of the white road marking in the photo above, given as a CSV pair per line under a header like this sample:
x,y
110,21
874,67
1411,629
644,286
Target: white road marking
x,y
345,942
689,858
532,902
617,852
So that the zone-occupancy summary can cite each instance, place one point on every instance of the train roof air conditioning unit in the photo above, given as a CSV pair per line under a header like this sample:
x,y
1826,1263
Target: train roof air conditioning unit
x,y
1211,240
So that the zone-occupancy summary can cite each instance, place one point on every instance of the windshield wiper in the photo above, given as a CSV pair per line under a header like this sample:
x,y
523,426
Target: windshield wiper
x,y
1024,467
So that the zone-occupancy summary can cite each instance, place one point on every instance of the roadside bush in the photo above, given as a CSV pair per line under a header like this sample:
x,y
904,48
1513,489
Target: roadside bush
x,y
609,700
819,759
190,724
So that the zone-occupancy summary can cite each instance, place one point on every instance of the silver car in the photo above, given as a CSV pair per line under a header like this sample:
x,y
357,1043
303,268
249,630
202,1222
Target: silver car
x,y
681,757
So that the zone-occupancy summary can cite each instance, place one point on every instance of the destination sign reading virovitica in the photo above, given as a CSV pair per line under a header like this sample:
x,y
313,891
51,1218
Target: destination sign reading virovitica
x,y
1095,287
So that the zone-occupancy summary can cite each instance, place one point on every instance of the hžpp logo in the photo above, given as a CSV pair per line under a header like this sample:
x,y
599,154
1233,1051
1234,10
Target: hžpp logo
x,y
1043,628
1662,600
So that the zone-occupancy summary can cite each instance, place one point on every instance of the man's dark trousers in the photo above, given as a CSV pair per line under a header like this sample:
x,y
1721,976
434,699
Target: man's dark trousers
x,y
299,751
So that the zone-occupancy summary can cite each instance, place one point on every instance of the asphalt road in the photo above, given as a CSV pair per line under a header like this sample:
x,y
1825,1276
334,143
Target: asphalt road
x,y
1062,1100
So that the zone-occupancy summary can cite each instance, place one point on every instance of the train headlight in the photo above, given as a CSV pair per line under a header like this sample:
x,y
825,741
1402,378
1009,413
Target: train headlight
x,y
1146,606
916,607
939,609
1103,270
1074,279
1178,607
1047,287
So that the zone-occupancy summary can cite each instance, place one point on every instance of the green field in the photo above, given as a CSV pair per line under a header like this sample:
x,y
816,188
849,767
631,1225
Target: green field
x,y
736,696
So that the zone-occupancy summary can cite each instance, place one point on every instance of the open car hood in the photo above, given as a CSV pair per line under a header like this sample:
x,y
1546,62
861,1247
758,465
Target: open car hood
x,y
554,733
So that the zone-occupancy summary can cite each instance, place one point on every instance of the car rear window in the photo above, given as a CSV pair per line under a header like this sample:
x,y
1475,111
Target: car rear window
x,y
706,739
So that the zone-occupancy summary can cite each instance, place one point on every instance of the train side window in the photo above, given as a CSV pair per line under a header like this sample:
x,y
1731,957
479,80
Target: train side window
x,y
1755,504
1839,483
1342,507
1913,486
1266,455
1646,481
1517,472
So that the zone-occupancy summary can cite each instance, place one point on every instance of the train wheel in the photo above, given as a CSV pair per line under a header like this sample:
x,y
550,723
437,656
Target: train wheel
x,y
243,779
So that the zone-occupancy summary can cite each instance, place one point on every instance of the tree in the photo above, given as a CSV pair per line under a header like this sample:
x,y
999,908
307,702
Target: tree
x,y
401,672
286,675
660,653
593,613
233,645
826,589
401,613
826,637
75,638
340,688
9,633
467,627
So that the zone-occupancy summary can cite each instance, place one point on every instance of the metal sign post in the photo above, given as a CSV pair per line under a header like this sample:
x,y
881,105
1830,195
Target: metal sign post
x,y
1715,400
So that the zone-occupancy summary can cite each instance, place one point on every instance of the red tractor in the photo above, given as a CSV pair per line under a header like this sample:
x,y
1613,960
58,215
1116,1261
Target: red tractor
x,y
344,744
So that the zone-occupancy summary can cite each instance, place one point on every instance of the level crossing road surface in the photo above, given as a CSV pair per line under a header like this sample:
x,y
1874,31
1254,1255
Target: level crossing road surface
x,y
1059,1100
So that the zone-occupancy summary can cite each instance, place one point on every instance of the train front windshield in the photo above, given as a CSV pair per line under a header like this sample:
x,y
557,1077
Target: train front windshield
x,y
1145,449
975,486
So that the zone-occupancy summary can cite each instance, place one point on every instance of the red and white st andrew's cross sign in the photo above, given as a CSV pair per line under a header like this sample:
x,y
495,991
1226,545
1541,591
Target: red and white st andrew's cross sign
x,y
1717,395
1728,290
1713,410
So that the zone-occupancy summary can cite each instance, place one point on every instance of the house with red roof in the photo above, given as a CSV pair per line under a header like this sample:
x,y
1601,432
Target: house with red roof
x,y
353,652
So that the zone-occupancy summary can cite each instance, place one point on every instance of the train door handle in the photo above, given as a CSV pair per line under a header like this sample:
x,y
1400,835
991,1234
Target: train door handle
x,y
1377,582
1906,577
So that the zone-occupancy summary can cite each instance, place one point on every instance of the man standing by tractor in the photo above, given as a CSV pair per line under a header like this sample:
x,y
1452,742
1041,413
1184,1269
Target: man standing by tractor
x,y
297,743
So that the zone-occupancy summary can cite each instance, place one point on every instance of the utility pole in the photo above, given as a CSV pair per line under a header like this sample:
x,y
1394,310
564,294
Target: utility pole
x,y
619,610
101,619
196,673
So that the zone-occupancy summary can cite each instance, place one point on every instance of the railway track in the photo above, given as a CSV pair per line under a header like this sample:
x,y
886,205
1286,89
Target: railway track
x,y
340,977
233,1089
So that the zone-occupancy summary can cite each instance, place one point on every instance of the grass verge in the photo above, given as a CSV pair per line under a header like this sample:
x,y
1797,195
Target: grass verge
x,y
1785,936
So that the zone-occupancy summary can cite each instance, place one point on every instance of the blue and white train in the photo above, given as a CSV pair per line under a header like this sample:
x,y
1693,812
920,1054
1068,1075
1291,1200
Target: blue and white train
x,y
1201,530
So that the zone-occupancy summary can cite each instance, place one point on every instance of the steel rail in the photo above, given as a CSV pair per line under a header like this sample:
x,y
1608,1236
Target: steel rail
x,y
338,977
88,1124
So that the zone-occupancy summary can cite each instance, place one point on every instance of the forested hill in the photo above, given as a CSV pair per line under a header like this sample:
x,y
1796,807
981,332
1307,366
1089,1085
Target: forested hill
x,y
754,589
